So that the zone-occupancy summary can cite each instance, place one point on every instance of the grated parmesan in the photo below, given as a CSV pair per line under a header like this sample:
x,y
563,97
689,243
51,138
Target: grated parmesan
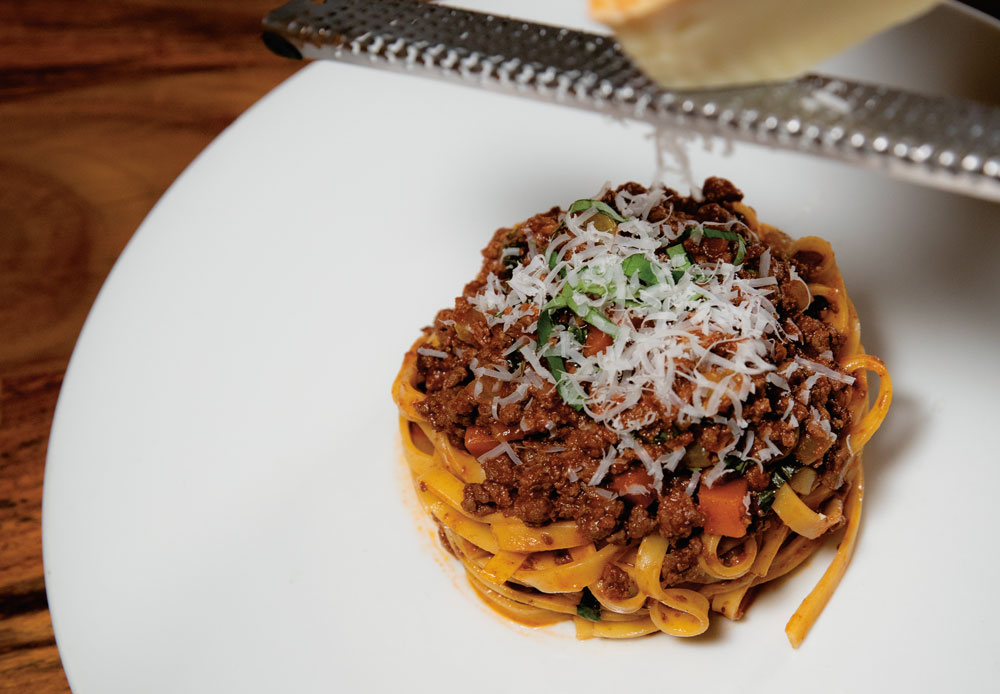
x,y
692,484
688,338
497,451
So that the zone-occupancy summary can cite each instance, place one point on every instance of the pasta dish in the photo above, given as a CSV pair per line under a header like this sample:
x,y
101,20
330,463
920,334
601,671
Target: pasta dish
x,y
643,408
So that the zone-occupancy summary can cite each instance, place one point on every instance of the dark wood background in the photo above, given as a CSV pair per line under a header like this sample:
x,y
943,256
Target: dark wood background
x,y
102,104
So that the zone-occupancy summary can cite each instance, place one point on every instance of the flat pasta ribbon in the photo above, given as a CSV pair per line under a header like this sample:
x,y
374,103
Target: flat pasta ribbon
x,y
676,611
541,575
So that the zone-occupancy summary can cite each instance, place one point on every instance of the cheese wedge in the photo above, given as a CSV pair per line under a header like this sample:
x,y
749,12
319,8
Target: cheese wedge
x,y
690,44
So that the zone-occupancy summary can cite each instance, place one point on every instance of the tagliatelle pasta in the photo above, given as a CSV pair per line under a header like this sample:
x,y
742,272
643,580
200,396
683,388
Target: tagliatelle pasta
x,y
642,409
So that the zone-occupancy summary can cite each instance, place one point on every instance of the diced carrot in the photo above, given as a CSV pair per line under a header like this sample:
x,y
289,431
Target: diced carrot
x,y
636,477
597,342
723,508
479,440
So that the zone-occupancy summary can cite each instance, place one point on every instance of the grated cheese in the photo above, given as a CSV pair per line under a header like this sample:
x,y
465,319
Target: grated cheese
x,y
821,370
497,451
764,268
635,489
692,485
675,318
677,328
603,467
671,460
717,471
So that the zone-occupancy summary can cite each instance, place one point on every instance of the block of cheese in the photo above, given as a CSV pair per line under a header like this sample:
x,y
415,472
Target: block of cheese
x,y
690,44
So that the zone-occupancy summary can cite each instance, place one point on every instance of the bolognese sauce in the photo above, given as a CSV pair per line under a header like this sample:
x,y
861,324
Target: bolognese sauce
x,y
650,370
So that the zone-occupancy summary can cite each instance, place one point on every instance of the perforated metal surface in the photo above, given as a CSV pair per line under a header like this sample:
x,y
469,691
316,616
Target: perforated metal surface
x,y
935,141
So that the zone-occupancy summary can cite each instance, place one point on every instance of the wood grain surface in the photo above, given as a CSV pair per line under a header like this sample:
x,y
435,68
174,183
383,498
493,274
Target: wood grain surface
x,y
102,104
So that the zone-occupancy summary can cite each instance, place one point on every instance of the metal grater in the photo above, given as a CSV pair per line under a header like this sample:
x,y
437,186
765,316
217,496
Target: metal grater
x,y
936,141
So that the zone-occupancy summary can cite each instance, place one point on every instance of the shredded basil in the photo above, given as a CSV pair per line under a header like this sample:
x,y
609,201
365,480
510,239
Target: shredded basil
x,y
592,288
782,474
569,390
586,204
639,263
589,607
741,252
587,313
634,263
560,300
738,464
601,322
553,261
720,234
779,477
511,260
578,333
571,303
677,251
545,328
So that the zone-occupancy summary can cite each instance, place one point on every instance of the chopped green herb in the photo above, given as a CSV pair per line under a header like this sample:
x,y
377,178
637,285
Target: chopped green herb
x,y
582,205
677,251
589,607
571,302
569,390
561,300
578,333
779,477
741,252
639,263
737,464
634,263
552,259
566,299
601,322
720,234
591,289
512,259
782,474
661,436
545,327
765,499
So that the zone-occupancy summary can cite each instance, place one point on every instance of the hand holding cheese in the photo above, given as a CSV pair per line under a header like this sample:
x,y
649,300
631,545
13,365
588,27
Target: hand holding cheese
x,y
690,44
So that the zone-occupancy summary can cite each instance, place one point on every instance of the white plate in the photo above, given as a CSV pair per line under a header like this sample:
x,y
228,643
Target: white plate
x,y
224,505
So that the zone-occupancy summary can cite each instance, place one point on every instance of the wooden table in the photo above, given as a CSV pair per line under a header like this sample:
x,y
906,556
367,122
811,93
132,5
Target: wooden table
x,y
102,104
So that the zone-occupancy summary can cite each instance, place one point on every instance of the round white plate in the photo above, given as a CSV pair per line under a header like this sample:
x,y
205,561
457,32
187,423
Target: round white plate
x,y
225,509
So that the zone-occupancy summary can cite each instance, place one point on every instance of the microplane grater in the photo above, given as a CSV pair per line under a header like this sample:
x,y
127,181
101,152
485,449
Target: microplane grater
x,y
937,141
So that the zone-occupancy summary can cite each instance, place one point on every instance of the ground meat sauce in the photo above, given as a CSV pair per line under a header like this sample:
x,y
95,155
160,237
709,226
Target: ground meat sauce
x,y
559,448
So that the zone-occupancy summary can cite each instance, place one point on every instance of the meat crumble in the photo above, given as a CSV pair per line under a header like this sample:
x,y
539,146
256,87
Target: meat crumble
x,y
791,415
